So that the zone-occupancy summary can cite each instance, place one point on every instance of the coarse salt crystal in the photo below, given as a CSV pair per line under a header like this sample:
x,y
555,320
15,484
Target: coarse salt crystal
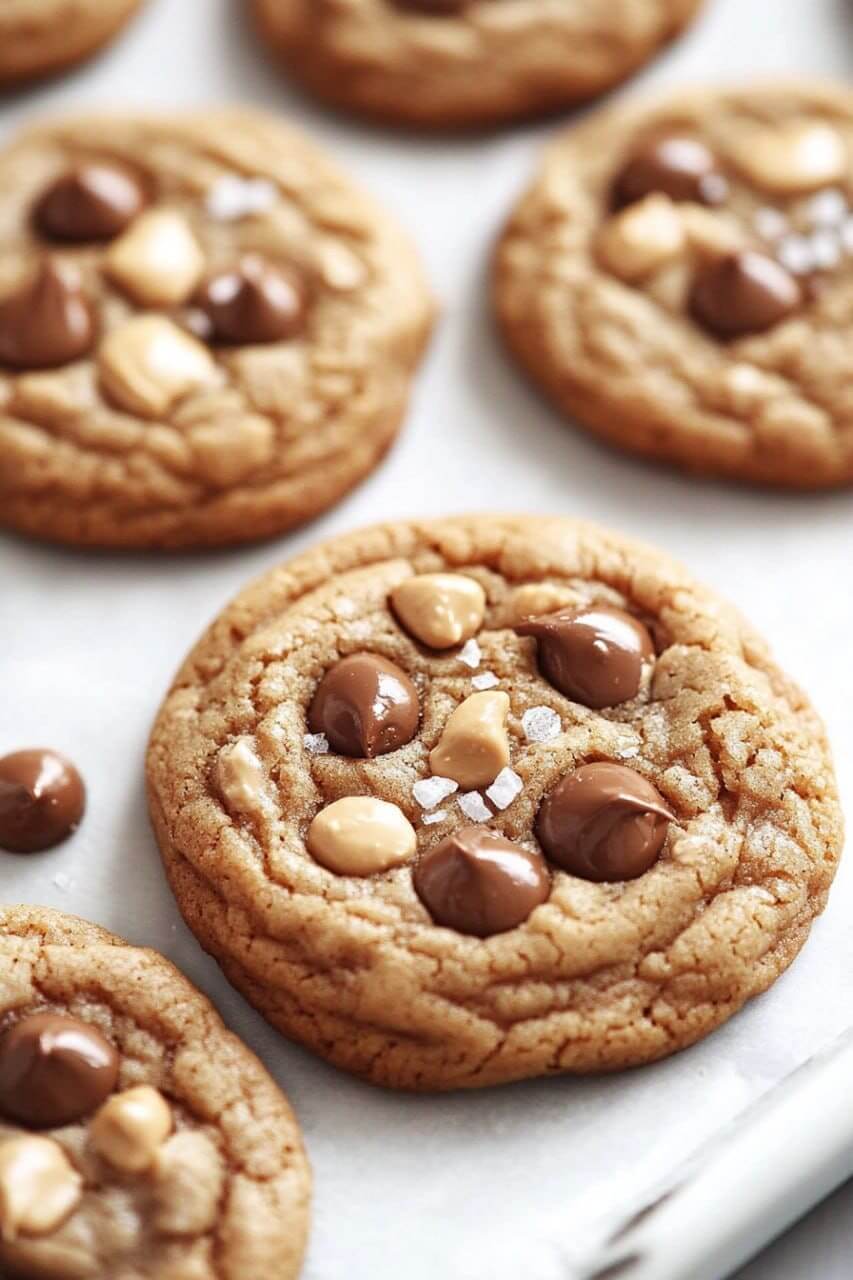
x,y
795,254
316,743
506,786
431,791
63,882
628,753
826,248
827,208
471,654
474,806
540,724
438,815
233,197
770,223
487,680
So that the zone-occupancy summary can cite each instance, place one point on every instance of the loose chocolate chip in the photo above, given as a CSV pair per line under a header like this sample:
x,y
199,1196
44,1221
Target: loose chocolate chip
x,y
594,655
47,322
682,168
477,882
366,706
42,798
91,203
743,293
54,1070
603,822
253,302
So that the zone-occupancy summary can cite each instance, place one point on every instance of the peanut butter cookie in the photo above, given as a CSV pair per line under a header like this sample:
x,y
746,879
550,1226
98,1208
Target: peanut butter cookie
x,y
138,1137
38,37
206,334
465,801
679,279
440,63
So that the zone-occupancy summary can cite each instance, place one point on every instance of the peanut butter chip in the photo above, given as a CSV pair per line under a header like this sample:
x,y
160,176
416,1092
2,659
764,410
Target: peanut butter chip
x,y
360,835
158,260
793,158
641,238
240,776
130,1128
147,364
39,1188
474,746
440,609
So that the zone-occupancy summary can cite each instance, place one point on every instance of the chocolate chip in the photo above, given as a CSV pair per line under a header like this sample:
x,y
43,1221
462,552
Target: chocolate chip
x,y
253,302
743,293
366,706
593,655
477,882
682,168
42,798
603,822
54,1070
47,322
93,202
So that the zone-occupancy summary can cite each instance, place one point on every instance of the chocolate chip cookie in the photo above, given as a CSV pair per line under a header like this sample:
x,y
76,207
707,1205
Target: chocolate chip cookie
x,y
465,801
38,37
138,1137
679,279
440,63
206,334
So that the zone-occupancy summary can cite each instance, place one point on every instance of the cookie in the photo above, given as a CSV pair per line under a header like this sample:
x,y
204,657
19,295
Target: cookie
x,y
38,37
206,334
679,280
138,1137
452,63
466,801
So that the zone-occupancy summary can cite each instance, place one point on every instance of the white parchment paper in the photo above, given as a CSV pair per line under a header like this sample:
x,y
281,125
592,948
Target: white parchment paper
x,y
503,1184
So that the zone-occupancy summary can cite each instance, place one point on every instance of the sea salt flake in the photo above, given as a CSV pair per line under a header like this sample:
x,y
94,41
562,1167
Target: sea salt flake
x,y
827,208
627,753
826,248
316,743
541,724
233,197
63,882
771,224
438,815
487,680
795,254
431,791
506,786
471,654
474,806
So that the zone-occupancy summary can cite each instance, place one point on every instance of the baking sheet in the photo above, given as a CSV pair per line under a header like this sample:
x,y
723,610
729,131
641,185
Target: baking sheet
x,y
510,1184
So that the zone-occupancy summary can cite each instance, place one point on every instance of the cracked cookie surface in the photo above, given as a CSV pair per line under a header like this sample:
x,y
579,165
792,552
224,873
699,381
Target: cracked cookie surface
x,y
38,37
223,1190
709,327
226,330
596,975
436,63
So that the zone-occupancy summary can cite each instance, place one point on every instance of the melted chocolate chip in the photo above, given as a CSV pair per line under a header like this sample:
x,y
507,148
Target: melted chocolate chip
x,y
743,293
593,655
253,302
366,706
42,798
94,202
603,822
47,322
54,1070
477,882
682,168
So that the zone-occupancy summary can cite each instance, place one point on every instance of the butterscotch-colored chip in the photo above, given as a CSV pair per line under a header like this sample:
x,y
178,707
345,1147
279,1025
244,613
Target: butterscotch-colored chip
x,y
240,776
440,609
130,1128
360,836
474,746
642,238
158,260
541,597
149,363
39,1188
795,157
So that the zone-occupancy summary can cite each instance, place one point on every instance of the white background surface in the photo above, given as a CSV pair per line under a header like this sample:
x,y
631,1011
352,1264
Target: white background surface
x,y
501,1184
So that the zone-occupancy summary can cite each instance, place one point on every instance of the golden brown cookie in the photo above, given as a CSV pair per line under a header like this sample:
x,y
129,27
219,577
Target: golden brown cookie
x,y
207,335
679,279
38,37
451,63
465,801
137,1135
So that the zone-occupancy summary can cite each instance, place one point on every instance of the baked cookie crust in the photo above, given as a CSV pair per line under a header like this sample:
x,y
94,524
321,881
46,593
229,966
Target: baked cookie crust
x,y
39,37
601,975
487,61
240,1204
598,309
